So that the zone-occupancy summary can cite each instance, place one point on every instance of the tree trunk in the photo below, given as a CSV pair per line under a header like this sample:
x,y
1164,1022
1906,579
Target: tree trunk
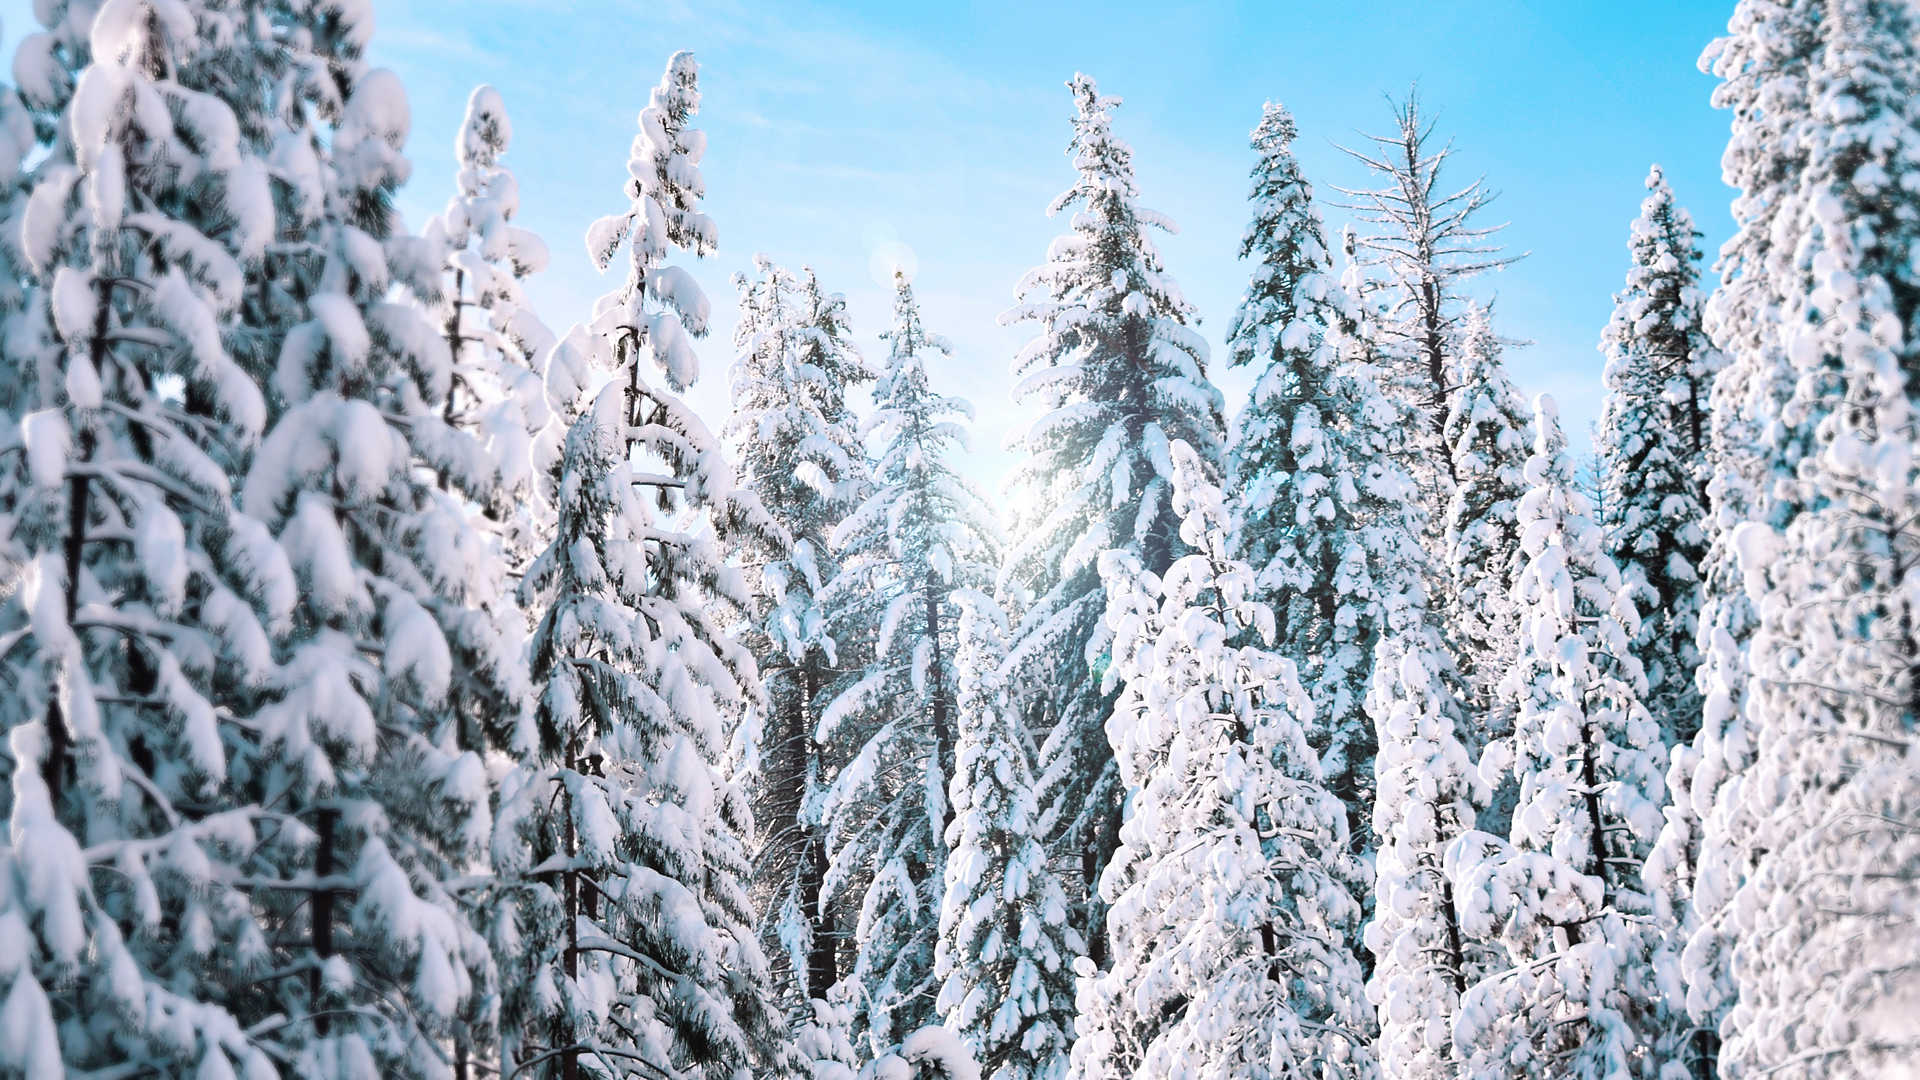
x,y
1437,368
322,916
822,966
453,354
942,694
53,770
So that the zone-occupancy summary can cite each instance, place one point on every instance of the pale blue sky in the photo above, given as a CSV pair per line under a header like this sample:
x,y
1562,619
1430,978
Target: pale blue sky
x,y
836,128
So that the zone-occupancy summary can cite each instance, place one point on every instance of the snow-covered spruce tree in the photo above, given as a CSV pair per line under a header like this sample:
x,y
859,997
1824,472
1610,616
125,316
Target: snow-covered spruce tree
x,y
1120,375
498,343
1827,973
139,602
1428,788
1005,941
800,458
1489,435
634,931
1764,63
1654,469
1565,897
1652,444
922,534
493,446
1324,512
369,734
1231,890
1426,238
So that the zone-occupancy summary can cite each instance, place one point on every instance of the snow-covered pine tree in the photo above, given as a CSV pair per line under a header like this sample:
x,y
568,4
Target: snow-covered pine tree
x,y
635,938
1654,469
1324,512
140,602
1565,896
1764,63
366,735
1828,974
923,533
800,458
1005,939
1489,435
498,343
1428,788
492,444
1120,376
1652,444
1231,890
1426,239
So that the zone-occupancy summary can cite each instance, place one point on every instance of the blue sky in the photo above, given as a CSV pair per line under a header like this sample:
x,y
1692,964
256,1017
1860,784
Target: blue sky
x,y
840,129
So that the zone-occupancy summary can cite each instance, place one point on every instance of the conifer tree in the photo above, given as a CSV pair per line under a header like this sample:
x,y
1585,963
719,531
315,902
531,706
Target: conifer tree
x,y
1652,442
634,934
1120,376
1324,512
1423,960
1426,238
1764,63
1565,897
1231,891
141,603
498,343
921,535
801,460
1833,792
365,734
1489,436
1005,939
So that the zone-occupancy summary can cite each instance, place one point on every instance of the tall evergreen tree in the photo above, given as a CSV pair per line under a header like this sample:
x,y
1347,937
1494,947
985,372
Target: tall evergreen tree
x,y
1324,512
801,460
359,740
1423,959
1654,469
1825,979
1565,897
1652,443
635,945
1231,890
499,343
1426,238
1005,939
1764,63
922,534
141,603
1489,435
1120,376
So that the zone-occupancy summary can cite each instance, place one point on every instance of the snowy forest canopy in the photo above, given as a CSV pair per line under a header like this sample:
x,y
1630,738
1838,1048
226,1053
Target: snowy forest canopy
x,y
395,685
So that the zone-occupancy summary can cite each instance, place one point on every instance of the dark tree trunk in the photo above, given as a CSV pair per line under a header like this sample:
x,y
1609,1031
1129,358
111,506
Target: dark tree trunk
x,y
823,968
322,918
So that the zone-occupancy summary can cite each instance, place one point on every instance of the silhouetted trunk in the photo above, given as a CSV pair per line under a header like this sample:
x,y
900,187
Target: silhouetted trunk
x,y
322,919
822,966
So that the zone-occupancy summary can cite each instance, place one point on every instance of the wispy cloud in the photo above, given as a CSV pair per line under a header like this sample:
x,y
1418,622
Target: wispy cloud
x,y
440,44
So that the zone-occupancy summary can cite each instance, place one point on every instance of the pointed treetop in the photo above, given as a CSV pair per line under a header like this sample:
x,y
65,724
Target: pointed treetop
x,y
485,132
